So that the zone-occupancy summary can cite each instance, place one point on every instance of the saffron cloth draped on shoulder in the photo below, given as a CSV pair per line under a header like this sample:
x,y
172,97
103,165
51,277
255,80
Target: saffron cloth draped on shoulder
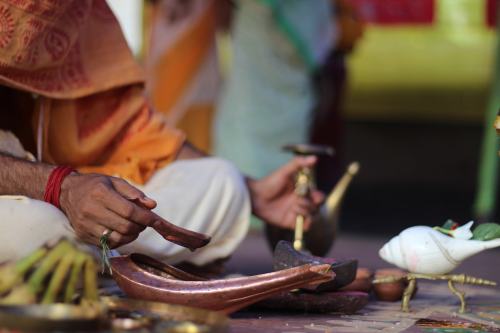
x,y
73,55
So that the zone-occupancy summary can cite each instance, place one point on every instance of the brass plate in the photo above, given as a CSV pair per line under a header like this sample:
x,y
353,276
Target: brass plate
x,y
171,318
45,318
122,315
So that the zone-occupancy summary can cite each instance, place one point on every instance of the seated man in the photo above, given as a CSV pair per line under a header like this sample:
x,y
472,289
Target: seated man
x,y
73,95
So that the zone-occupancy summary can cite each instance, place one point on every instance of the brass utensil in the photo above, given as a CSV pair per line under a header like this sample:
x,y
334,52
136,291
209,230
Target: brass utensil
x,y
172,315
304,182
48,318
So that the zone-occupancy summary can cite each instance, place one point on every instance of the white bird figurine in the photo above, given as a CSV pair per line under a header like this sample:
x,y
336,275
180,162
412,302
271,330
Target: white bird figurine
x,y
424,250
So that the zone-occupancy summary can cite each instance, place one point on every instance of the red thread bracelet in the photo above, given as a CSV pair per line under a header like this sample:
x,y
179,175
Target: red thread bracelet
x,y
53,187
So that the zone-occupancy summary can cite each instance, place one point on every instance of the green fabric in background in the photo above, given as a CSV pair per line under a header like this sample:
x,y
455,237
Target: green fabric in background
x,y
484,206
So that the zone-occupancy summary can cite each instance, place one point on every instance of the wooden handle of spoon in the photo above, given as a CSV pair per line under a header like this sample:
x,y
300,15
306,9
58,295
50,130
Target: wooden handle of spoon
x,y
178,235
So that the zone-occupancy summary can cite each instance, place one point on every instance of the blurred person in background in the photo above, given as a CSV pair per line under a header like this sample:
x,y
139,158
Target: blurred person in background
x,y
288,69
268,96
286,83
329,82
182,69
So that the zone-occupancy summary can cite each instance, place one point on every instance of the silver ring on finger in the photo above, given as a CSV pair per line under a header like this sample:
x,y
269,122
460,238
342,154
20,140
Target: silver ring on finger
x,y
106,233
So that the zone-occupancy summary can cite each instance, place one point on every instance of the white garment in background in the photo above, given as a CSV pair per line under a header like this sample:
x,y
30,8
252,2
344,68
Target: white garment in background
x,y
204,195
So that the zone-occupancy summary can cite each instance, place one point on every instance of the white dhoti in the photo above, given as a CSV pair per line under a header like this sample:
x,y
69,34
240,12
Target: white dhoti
x,y
204,195
27,224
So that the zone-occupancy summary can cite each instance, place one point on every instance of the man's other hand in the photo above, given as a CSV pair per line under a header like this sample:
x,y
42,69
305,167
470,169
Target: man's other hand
x,y
275,201
94,203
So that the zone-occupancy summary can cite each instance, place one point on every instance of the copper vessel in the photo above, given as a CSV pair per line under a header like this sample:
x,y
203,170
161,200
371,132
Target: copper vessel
x,y
145,278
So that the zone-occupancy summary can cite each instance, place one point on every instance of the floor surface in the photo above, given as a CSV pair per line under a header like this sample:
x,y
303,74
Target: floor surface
x,y
434,309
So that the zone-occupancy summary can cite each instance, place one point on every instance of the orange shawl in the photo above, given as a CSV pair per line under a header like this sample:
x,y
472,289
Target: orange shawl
x,y
182,60
73,54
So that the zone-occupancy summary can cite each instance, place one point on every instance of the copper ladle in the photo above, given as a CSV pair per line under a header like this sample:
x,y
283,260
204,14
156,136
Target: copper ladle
x,y
145,278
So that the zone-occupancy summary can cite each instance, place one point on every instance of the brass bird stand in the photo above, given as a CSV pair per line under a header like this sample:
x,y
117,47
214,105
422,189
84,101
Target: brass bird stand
x,y
411,278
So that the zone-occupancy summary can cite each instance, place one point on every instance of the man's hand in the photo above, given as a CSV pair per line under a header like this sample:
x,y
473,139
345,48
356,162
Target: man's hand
x,y
94,203
274,200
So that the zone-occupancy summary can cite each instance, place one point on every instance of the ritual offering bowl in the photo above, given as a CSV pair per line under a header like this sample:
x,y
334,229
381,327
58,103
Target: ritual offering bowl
x,y
142,277
362,282
285,256
391,291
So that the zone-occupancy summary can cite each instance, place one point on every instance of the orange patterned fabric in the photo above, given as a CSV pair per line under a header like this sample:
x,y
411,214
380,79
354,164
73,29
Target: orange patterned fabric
x,y
73,54
63,48
122,136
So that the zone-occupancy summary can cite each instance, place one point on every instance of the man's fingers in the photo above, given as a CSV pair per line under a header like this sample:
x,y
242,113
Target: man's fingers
x,y
287,173
145,202
291,219
128,210
298,210
131,193
290,169
301,162
317,197
132,212
307,223
308,161
88,237
307,204
115,222
115,239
